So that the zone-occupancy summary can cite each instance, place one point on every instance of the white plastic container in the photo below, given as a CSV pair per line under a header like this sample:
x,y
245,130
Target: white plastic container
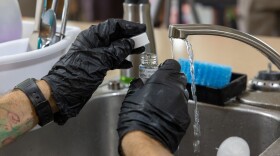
x,y
10,20
17,65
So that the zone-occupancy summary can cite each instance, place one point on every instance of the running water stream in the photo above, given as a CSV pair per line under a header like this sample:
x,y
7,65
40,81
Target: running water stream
x,y
172,51
196,125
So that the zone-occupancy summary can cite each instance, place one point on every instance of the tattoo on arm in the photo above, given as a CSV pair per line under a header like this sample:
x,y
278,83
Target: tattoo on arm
x,y
17,114
11,126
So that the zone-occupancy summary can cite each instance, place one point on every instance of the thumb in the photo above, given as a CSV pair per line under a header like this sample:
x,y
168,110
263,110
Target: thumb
x,y
170,64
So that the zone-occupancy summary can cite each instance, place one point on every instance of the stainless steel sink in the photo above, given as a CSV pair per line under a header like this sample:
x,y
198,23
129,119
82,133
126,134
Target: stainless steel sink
x,y
93,132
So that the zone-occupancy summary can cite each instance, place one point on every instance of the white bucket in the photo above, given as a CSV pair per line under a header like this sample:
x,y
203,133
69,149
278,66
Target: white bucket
x,y
17,65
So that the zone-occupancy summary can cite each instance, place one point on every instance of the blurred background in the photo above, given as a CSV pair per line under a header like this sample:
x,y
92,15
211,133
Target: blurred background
x,y
257,17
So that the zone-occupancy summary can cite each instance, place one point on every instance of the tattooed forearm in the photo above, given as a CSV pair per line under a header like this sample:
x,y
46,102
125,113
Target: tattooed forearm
x,y
17,115
11,126
15,119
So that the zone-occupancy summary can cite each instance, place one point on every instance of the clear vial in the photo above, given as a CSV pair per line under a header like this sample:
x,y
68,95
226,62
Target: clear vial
x,y
148,66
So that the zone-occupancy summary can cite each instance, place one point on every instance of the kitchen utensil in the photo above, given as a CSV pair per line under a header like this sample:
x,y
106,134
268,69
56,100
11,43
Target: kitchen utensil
x,y
48,28
33,39
54,5
59,36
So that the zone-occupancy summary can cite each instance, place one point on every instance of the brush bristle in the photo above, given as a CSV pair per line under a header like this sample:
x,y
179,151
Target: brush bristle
x,y
207,74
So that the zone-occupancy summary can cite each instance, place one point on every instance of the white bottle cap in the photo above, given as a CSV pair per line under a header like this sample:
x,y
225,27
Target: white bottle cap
x,y
140,40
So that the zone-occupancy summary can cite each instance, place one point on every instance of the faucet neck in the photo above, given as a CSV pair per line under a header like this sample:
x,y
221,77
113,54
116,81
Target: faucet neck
x,y
182,31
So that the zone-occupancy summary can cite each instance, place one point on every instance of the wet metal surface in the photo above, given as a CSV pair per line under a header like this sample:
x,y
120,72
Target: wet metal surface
x,y
273,149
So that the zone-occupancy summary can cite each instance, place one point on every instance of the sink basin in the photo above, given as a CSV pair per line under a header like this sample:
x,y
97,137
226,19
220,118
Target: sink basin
x,y
93,132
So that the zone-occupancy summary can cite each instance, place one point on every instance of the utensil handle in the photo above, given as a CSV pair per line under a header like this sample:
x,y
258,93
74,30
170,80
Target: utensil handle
x,y
64,17
54,5
38,14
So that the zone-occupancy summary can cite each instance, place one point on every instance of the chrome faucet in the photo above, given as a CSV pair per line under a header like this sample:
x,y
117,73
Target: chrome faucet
x,y
182,31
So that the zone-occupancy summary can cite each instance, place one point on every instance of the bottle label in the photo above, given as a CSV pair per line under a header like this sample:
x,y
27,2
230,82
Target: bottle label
x,y
146,73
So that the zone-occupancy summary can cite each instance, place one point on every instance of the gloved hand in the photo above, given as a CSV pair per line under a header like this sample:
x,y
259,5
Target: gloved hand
x,y
159,108
75,77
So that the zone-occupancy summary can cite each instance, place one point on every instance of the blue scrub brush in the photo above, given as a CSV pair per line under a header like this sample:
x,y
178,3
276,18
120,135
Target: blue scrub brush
x,y
207,74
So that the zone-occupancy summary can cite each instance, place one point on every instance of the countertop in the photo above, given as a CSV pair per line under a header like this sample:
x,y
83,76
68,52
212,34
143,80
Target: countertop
x,y
243,58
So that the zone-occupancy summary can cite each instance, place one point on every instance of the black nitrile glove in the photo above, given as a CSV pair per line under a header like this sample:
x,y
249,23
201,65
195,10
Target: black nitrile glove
x,y
75,77
159,108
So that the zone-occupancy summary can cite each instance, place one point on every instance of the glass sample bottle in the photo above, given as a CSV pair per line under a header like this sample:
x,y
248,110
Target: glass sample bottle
x,y
148,66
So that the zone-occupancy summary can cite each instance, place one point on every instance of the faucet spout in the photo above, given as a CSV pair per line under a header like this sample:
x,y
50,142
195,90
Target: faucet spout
x,y
182,31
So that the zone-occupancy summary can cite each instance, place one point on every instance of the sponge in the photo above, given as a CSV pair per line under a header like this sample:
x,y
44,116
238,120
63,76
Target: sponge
x,y
207,74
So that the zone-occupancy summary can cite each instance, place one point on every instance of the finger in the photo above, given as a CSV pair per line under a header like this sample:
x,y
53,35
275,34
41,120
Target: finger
x,y
186,92
125,65
183,80
116,53
138,50
121,48
110,30
170,64
169,73
120,28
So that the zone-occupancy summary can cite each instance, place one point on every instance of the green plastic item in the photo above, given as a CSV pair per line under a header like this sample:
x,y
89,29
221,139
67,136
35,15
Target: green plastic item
x,y
126,80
